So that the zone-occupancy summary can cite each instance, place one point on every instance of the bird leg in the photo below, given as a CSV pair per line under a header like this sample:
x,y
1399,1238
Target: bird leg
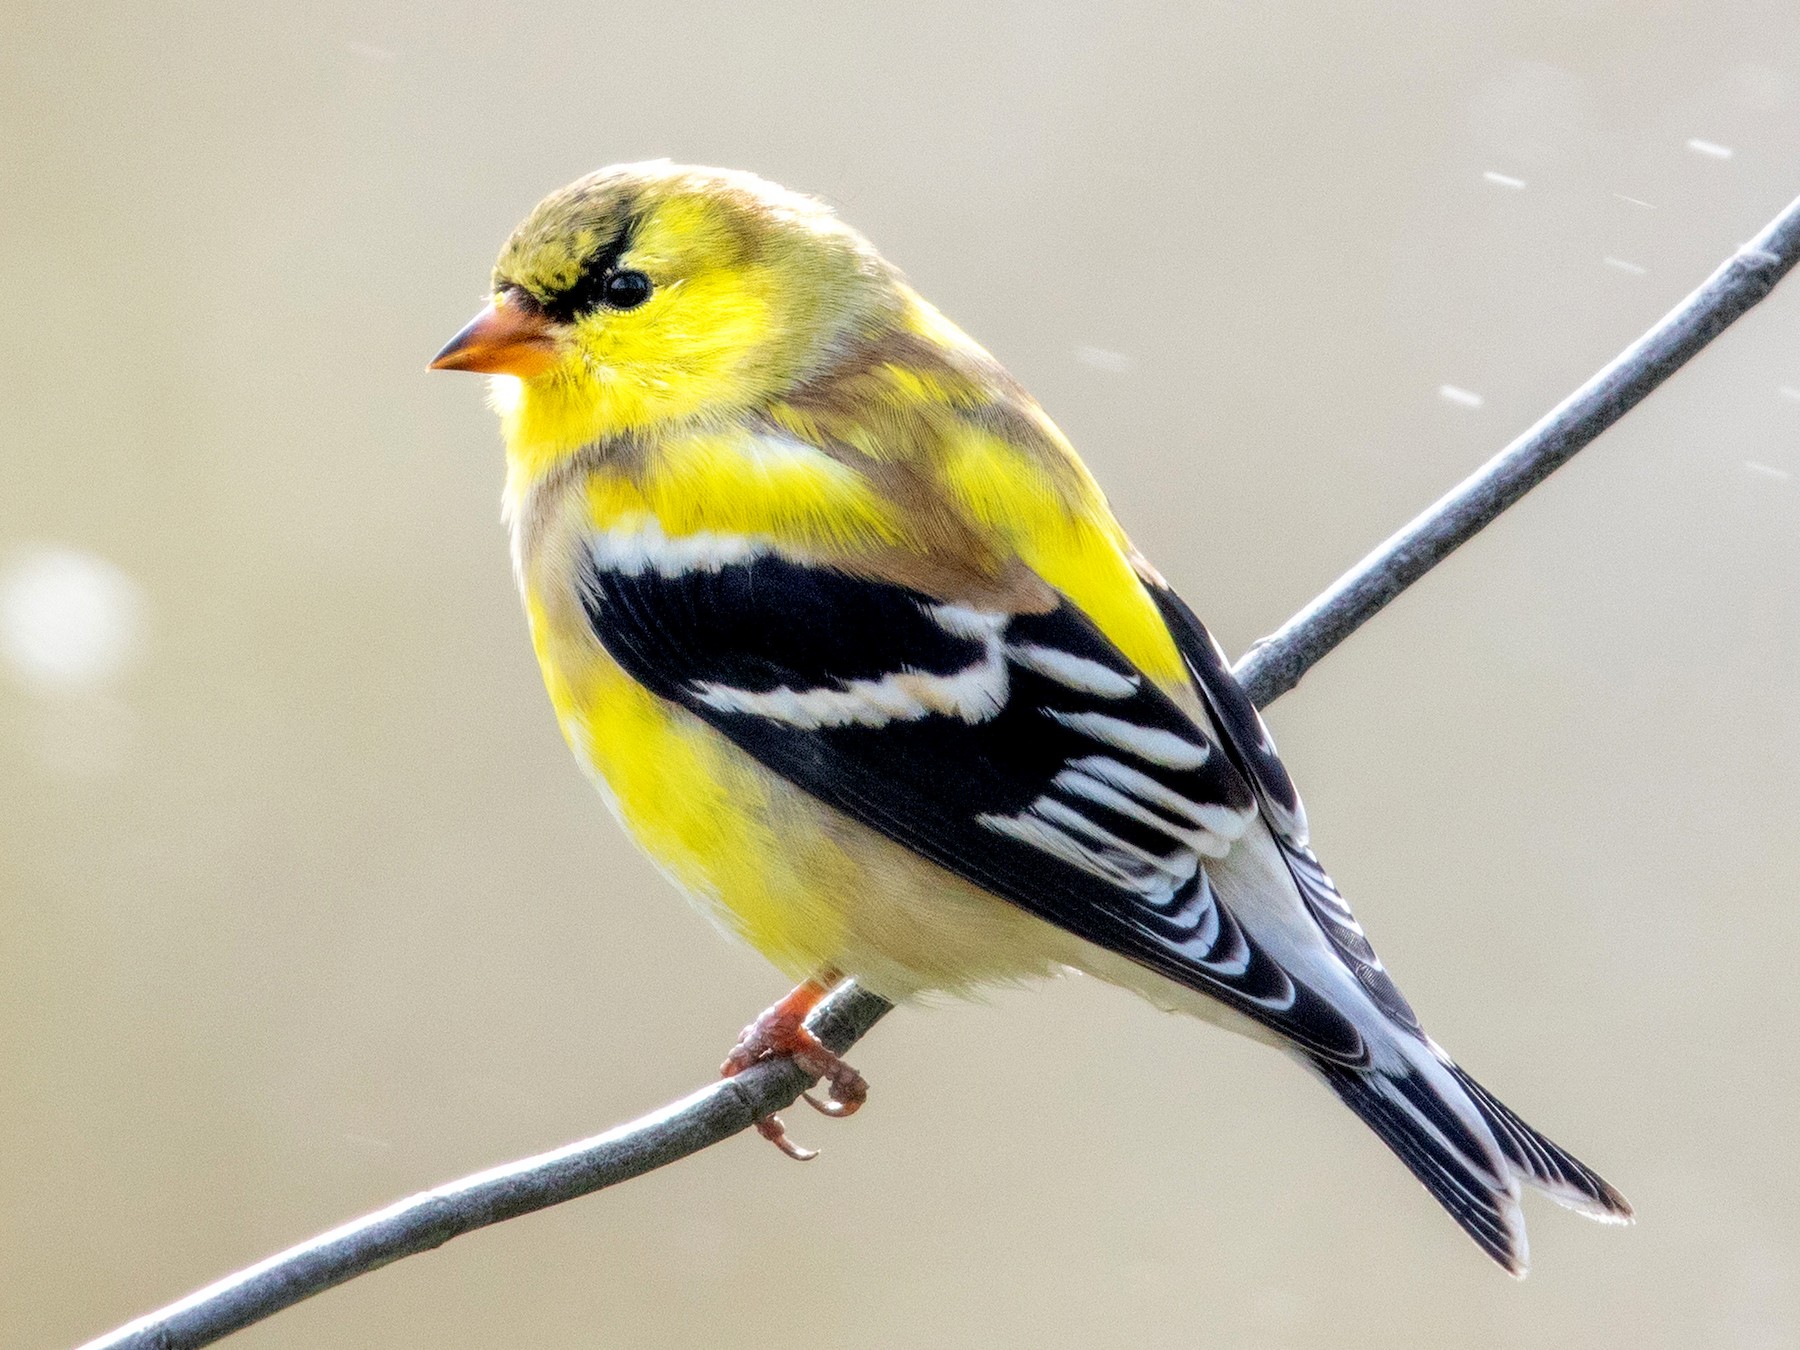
x,y
781,1030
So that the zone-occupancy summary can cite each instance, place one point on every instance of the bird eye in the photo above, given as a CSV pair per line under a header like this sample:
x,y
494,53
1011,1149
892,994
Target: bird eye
x,y
626,290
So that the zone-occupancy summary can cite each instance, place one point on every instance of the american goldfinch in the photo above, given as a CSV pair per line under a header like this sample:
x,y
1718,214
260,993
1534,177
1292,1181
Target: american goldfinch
x,y
850,642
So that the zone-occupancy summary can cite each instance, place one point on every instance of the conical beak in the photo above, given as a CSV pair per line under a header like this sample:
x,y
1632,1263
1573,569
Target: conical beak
x,y
501,340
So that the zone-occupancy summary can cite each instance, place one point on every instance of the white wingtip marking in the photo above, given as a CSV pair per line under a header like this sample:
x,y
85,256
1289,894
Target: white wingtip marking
x,y
1076,783
1222,821
1147,743
1039,833
1077,672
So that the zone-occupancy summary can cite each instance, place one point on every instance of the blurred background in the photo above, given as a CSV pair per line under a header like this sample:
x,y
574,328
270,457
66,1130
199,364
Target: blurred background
x,y
305,905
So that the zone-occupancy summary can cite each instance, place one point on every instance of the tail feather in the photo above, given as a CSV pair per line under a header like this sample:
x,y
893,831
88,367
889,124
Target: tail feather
x,y
1477,1193
1542,1164
1469,1150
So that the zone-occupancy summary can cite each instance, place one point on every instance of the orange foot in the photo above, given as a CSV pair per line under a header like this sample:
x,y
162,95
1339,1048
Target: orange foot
x,y
782,1031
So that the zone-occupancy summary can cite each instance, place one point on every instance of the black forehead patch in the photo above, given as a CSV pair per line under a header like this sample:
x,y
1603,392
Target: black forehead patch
x,y
587,288
605,223
585,292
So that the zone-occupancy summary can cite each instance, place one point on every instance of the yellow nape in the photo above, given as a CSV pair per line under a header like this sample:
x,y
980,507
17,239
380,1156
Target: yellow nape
x,y
1054,516
924,319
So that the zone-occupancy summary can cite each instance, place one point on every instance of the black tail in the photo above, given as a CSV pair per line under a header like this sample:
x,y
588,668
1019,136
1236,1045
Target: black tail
x,y
1469,1150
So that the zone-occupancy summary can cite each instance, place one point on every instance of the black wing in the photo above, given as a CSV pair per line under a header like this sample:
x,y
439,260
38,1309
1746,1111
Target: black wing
x,y
1252,751
1022,752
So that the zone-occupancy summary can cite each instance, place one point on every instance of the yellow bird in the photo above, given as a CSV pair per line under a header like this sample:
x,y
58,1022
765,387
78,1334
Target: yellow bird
x,y
849,640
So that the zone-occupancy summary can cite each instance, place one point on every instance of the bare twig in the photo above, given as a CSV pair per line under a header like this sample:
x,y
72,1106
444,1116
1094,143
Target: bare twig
x,y
1276,664
725,1108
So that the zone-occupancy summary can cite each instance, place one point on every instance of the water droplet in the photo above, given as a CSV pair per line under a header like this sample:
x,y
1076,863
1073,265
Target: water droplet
x,y
1115,363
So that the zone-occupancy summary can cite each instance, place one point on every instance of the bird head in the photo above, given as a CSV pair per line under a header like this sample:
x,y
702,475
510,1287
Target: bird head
x,y
650,294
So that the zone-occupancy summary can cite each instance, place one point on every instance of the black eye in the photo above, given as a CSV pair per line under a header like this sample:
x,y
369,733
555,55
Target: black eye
x,y
625,290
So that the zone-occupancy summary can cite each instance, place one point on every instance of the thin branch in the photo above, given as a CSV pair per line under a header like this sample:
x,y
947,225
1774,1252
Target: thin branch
x,y
433,1217
1276,664
728,1107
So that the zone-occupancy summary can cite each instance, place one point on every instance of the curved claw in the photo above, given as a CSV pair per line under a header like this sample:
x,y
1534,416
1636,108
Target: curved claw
x,y
845,1089
830,1106
771,1128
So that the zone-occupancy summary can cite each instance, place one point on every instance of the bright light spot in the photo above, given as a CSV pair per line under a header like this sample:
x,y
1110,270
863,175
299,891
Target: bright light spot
x,y
1463,398
1636,201
1114,363
1624,266
1767,470
1505,180
370,52
1789,391
70,622
1711,149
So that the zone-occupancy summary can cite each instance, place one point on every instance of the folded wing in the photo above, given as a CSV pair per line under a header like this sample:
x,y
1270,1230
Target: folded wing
x,y
1022,752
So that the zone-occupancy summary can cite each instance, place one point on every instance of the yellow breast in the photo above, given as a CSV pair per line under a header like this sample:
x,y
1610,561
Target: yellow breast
x,y
717,823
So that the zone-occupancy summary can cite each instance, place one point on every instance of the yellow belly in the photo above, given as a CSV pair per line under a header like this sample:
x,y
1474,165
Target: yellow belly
x,y
806,886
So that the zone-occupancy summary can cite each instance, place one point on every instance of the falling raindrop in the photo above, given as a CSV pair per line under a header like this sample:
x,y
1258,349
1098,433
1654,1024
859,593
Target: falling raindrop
x,y
1114,363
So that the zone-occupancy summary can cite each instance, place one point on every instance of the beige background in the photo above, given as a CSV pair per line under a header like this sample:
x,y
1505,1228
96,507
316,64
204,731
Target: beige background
x,y
305,905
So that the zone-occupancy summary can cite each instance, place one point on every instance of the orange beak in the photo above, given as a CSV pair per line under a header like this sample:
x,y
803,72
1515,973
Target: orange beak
x,y
502,340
